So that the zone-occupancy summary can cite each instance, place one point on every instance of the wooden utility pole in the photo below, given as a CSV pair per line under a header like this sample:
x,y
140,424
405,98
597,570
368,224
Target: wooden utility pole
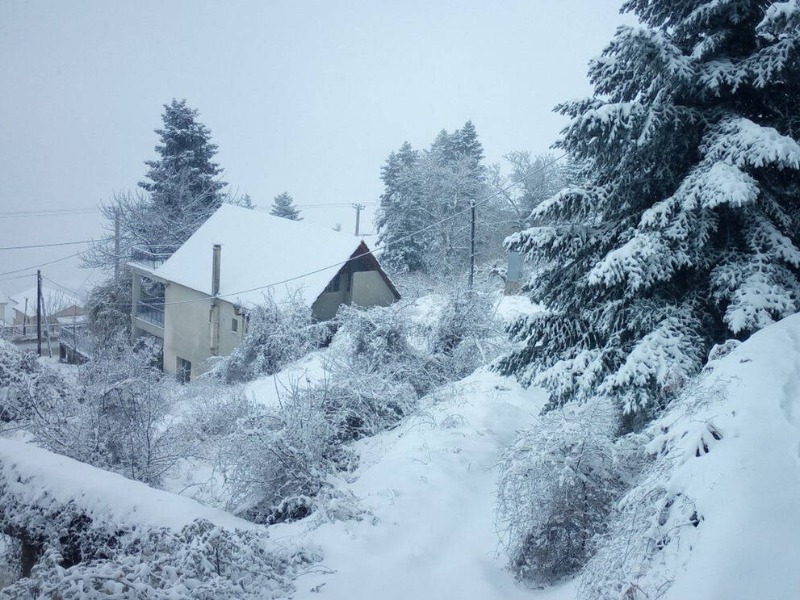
x,y
359,208
116,244
472,243
39,312
25,319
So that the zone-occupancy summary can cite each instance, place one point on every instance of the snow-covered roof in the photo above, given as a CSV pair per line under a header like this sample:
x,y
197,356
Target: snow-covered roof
x,y
259,250
36,476
54,300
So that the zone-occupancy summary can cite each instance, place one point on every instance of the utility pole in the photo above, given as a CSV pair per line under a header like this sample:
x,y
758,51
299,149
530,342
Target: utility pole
x,y
39,312
116,244
359,208
472,243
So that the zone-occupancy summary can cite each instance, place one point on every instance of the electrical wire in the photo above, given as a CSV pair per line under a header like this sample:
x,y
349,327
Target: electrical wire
x,y
50,245
382,247
47,212
41,265
352,258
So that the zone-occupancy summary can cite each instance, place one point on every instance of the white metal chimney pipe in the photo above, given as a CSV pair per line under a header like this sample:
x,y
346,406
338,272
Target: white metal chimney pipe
x,y
215,270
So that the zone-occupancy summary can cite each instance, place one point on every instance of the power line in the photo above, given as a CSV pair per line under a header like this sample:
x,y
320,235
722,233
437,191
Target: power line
x,y
48,245
384,246
47,212
41,265
341,263
66,289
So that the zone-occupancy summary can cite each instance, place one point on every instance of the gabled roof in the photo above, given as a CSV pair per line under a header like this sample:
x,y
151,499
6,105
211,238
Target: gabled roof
x,y
260,250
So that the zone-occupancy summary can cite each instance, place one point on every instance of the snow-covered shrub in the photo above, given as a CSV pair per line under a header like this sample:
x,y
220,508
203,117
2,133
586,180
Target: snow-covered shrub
x,y
657,521
557,484
115,416
377,342
201,561
28,389
71,543
276,335
215,409
279,457
463,334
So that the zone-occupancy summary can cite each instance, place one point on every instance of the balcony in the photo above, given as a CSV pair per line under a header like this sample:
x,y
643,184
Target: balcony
x,y
151,312
78,340
151,257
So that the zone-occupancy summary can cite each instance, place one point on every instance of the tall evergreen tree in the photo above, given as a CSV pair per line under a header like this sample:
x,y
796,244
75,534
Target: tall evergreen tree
x,y
283,206
401,215
184,183
453,176
183,188
687,230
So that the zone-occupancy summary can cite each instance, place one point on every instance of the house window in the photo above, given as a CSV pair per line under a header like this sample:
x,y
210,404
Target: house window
x,y
184,370
235,324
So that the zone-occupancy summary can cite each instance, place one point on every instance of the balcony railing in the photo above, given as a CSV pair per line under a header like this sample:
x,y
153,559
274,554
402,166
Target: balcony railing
x,y
152,257
77,339
152,313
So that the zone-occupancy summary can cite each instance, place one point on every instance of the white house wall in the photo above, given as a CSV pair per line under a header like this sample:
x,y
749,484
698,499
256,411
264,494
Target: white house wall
x,y
187,330
370,289
327,304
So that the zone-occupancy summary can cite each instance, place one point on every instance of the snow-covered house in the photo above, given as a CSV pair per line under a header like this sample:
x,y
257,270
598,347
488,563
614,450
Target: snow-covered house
x,y
196,301
57,305
6,313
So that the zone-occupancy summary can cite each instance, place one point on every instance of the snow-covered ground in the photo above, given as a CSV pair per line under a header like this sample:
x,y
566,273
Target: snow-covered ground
x,y
428,492
37,477
416,519
745,485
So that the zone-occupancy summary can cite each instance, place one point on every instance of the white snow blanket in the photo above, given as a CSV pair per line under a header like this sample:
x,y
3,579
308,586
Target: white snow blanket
x,y
746,485
429,489
36,477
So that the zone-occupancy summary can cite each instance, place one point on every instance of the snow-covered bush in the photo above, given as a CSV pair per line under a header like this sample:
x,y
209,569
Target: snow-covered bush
x,y
279,457
276,335
28,389
116,415
557,485
657,521
377,342
464,333
80,559
113,540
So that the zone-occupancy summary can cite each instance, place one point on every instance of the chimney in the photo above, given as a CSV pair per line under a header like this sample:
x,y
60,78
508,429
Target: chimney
x,y
215,270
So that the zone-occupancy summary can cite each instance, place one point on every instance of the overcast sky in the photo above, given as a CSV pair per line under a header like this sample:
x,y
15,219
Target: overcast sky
x,y
307,97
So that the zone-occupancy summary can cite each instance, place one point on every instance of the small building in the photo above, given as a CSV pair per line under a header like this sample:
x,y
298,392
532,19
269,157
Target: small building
x,y
6,313
56,305
197,300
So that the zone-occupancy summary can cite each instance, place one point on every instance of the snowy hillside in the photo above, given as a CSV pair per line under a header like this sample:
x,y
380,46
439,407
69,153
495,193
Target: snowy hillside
x,y
428,492
712,518
717,515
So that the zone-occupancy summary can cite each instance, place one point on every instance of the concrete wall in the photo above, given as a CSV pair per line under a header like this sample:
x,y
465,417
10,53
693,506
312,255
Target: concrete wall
x,y
369,289
188,328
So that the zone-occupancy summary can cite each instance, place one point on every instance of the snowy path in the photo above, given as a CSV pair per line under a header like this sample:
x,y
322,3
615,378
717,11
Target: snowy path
x,y
430,491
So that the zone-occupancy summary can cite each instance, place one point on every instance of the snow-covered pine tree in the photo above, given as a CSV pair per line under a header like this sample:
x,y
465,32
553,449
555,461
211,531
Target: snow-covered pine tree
x,y
183,190
687,229
184,183
452,175
283,206
401,215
